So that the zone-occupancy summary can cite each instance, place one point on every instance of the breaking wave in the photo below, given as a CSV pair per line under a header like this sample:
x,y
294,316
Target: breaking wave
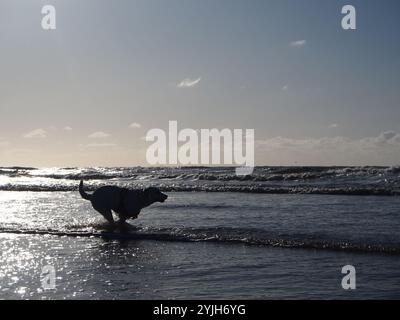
x,y
383,181
250,237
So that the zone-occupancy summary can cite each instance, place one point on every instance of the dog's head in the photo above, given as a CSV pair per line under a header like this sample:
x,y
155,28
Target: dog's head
x,y
155,195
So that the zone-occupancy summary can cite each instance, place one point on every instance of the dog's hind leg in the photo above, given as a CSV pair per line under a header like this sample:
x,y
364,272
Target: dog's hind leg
x,y
106,213
122,219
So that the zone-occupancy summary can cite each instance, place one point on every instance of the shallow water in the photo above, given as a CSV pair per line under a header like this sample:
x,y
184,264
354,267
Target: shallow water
x,y
94,268
201,245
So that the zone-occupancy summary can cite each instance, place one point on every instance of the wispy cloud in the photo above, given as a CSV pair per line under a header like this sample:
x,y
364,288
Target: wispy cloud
x,y
387,138
332,144
298,43
37,133
188,83
135,125
99,135
67,128
285,88
333,125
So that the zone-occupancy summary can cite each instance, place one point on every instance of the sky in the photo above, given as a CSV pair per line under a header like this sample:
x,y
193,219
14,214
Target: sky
x,y
86,93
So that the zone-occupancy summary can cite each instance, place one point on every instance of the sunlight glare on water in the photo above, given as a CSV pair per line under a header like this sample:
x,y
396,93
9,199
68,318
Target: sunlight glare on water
x,y
63,230
43,210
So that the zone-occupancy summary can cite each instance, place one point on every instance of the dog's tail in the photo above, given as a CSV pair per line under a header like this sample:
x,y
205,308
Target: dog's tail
x,y
84,195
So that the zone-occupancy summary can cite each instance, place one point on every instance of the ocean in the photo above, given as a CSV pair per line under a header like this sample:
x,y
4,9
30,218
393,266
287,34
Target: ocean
x,y
280,233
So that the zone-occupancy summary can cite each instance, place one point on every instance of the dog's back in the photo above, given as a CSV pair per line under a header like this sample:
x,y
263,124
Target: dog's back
x,y
107,197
